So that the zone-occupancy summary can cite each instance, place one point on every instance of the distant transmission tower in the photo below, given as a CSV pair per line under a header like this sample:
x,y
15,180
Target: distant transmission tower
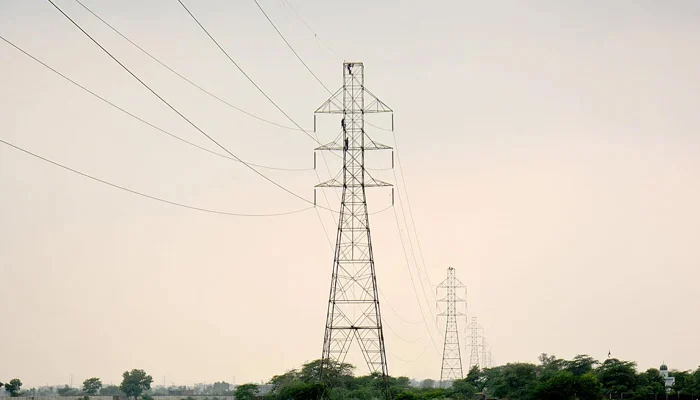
x,y
474,335
353,304
451,353
486,359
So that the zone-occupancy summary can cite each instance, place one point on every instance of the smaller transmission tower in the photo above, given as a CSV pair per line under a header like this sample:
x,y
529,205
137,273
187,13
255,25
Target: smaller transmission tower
x,y
451,353
486,359
475,333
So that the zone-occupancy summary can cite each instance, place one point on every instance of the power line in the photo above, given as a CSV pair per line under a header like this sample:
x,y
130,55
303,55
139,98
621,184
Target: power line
x,y
174,109
292,48
75,171
154,58
379,127
408,201
311,30
401,337
410,212
413,284
206,91
413,253
245,74
139,118
412,360
308,68
397,313
261,91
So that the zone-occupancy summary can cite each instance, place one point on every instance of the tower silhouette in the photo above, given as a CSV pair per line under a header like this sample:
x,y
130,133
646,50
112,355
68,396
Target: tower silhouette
x,y
353,313
451,353
475,333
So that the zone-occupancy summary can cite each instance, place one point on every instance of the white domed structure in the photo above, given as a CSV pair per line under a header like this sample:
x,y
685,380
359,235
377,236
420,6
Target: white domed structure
x,y
668,380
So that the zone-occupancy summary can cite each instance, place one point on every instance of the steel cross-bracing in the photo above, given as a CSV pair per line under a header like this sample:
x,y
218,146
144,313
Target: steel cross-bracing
x,y
451,353
353,306
475,334
486,357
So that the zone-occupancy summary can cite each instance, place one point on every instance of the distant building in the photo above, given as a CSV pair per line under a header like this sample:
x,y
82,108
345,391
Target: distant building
x,y
668,380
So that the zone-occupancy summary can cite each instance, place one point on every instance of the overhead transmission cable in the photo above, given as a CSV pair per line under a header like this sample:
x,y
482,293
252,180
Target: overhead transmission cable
x,y
425,349
148,196
398,314
292,48
311,30
246,75
264,94
156,59
323,155
176,110
404,339
413,254
298,128
295,53
410,211
139,118
415,290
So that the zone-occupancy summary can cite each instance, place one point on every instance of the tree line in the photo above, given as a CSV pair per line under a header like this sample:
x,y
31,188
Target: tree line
x,y
581,378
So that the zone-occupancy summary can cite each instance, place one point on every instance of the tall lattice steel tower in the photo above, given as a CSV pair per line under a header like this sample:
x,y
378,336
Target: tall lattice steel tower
x,y
451,353
353,304
475,333
486,358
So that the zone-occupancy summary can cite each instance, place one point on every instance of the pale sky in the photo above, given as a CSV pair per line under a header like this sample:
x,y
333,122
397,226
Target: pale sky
x,y
550,151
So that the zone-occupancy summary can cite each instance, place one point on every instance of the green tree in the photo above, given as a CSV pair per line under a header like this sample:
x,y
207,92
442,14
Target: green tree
x,y
248,391
694,387
92,386
476,378
513,381
427,384
13,387
135,382
581,364
220,388
111,390
67,391
649,383
560,386
588,387
617,377
549,365
405,395
463,389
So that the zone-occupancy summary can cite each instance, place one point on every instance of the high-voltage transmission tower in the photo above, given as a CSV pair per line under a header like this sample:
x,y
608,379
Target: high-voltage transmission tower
x,y
486,358
353,305
475,334
451,353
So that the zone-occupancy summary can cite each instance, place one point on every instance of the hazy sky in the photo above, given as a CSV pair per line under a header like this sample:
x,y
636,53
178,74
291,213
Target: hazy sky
x,y
550,151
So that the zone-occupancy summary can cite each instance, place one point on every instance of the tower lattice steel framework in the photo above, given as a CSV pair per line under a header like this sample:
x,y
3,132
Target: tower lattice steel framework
x,y
475,334
353,305
451,353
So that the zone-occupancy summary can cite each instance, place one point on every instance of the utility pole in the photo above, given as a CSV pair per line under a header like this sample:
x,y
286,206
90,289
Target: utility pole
x,y
353,304
475,332
451,353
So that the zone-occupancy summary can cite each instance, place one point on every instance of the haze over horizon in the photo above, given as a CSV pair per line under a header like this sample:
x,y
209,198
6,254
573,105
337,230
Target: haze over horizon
x,y
550,154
